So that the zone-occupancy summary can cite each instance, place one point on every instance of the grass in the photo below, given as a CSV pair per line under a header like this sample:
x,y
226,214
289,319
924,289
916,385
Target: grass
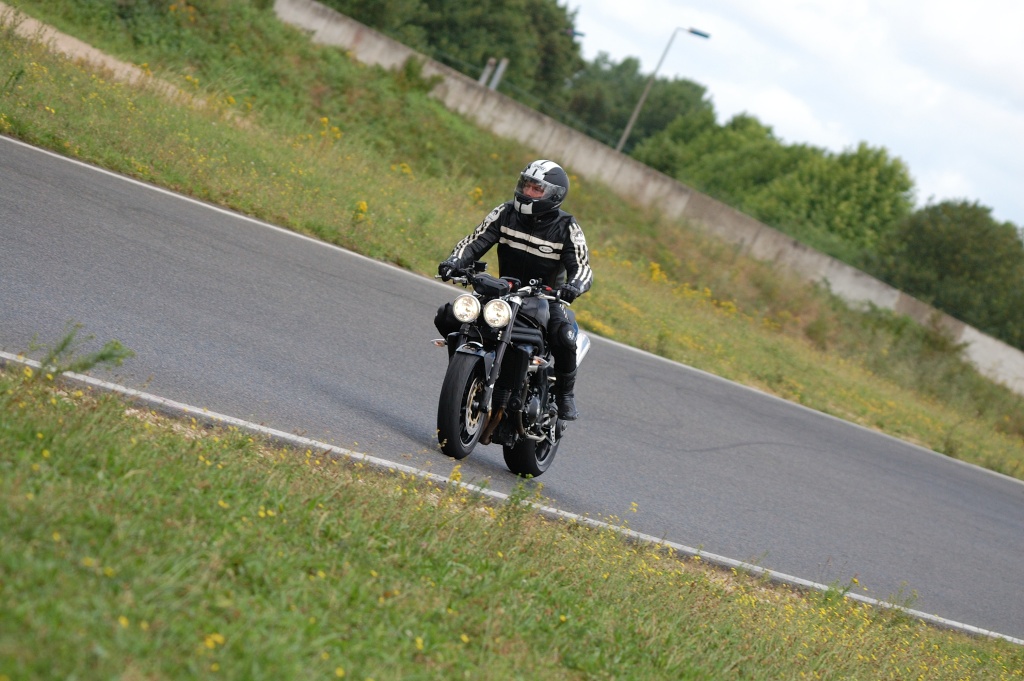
x,y
166,550
142,548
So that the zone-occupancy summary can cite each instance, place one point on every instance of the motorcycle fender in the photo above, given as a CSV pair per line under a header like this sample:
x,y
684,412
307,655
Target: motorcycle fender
x,y
473,348
582,346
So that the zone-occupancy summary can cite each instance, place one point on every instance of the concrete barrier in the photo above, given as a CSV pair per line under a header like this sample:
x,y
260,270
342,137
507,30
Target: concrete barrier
x,y
643,185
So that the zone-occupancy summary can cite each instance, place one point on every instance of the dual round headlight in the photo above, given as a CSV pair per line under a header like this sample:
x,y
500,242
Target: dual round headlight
x,y
497,313
466,308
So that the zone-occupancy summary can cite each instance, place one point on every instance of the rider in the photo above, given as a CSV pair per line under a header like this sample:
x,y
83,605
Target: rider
x,y
537,241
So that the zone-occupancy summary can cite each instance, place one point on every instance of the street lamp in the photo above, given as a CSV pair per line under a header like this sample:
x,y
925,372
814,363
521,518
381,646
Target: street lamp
x,y
650,82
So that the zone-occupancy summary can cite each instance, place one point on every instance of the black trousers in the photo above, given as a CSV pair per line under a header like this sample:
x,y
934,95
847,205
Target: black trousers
x,y
562,336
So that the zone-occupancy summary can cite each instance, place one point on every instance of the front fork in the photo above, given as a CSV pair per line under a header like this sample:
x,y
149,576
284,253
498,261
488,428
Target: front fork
x,y
504,340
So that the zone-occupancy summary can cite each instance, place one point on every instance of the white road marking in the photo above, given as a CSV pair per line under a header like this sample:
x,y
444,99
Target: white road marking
x,y
212,418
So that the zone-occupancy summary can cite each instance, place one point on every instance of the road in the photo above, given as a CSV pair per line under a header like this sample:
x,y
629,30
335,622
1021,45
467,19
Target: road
x,y
244,319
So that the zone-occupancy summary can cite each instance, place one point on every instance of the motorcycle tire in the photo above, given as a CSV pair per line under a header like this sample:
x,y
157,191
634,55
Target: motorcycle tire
x,y
529,457
460,416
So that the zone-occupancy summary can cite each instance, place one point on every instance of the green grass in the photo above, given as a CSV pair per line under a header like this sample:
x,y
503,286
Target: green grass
x,y
117,557
139,547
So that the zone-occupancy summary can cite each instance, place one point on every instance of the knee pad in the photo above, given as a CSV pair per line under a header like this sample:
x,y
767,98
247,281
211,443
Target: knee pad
x,y
564,336
563,346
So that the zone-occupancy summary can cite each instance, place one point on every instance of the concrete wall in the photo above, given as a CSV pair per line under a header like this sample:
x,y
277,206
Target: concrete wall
x,y
636,182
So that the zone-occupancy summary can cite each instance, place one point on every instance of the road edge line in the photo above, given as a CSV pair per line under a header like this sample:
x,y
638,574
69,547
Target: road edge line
x,y
174,408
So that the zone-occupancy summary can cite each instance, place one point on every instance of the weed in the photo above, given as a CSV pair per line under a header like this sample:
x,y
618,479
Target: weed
x,y
62,357
168,550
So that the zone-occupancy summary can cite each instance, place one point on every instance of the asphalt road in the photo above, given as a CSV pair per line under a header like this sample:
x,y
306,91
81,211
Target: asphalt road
x,y
247,320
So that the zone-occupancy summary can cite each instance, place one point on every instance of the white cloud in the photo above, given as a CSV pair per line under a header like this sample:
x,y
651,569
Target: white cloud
x,y
947,183
774,104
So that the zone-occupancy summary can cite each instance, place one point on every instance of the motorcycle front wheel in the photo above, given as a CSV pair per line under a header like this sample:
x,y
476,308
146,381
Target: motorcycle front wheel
x,y
529,457
460,416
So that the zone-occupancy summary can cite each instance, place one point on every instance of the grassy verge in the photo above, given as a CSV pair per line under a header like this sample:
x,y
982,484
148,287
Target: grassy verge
x,y
164,550
306,138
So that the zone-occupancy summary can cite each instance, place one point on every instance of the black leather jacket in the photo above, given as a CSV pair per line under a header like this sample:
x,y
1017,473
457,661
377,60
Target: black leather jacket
x,y
548,247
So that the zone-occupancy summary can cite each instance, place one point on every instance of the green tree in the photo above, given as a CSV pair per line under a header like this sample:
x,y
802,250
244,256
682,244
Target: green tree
x,y
603,94
957,257
555,44
670,150
840,203
731,162
536,36
858,196
396,18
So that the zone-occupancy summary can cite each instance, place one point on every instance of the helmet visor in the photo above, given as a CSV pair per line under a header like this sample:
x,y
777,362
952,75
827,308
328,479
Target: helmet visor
x,y
539,190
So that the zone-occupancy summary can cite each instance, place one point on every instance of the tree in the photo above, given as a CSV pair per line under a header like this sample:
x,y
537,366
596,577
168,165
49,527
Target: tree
x,y
536,36
603,95
671,151
731,162
559,52
840,203
396,18
957,257
858,196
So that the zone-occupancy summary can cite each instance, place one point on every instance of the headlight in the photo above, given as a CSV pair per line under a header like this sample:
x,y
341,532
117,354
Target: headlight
x,y
466,308
497,314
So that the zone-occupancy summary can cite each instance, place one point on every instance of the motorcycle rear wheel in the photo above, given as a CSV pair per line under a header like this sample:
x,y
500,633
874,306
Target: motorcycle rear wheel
x,y
460,416
529,457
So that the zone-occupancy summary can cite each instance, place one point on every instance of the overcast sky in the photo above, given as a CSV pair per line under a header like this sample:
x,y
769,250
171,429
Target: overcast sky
x,y
939,83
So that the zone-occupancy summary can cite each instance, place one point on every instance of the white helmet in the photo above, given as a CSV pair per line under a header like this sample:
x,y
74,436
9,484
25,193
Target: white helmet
x,y
553,183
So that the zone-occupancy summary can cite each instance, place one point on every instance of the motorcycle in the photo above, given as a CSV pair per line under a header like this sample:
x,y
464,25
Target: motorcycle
x,y
499,386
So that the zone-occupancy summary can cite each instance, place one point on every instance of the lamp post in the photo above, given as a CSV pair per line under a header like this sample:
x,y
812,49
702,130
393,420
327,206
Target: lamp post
x,y
650,82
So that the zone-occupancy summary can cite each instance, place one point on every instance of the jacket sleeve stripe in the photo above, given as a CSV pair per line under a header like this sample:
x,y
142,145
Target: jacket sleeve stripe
x,y
483,237
583,276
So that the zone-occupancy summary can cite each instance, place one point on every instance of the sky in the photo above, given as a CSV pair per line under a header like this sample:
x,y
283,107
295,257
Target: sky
x,y
938,83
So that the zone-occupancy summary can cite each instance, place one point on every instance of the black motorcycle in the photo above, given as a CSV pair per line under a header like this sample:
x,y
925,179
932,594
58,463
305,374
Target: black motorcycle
x,y
499,387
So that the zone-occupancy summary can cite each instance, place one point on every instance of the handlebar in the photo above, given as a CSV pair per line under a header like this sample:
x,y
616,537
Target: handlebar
x,y
454,279
540,292
464,277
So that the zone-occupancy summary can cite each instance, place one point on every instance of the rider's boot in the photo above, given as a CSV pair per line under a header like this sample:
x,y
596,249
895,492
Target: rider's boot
x,y
564,397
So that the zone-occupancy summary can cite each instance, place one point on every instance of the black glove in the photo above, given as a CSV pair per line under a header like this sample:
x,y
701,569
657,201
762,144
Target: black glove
x,y
569,292
446,269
